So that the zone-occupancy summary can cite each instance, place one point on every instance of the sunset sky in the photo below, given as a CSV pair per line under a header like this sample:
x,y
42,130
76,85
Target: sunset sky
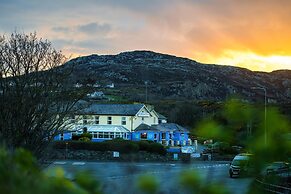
x,y
255,34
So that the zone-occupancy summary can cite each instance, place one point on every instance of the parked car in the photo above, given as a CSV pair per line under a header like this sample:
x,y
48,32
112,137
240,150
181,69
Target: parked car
x,y
277,168
241,164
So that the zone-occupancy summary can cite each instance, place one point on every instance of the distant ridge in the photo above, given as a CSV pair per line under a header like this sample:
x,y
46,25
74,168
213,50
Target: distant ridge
x,y
171,77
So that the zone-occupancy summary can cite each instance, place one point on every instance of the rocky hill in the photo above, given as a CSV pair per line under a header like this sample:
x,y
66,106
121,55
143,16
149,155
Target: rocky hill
x,y
171,77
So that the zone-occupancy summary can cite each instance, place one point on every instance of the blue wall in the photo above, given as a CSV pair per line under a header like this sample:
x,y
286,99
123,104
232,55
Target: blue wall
x,y
66,136
136,136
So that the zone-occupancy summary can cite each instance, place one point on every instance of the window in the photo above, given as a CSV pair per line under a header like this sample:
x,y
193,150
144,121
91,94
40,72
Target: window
x,y
100,135
85,121
109,120
143,135
123,120
95,135
163,135
111,135
72,118
155,136
106,135
97,120
118,135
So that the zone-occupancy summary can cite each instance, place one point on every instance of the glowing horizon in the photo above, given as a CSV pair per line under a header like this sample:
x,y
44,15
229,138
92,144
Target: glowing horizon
x,y
243,33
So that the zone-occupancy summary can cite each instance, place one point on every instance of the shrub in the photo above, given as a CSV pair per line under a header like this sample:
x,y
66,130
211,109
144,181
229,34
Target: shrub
x,y
152,147
86,139
77,137
120,145
20,173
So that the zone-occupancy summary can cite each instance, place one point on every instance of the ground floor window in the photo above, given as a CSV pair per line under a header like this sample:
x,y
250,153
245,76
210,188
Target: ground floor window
x,y
163,135
107,135
118,135
95,135
143,135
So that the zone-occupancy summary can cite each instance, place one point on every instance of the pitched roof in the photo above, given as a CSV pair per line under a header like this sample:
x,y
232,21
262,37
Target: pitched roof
x,y
106,128
145,127
160,116
112,109
171,127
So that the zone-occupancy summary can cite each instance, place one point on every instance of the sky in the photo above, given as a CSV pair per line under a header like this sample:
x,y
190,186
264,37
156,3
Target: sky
x,y
255,34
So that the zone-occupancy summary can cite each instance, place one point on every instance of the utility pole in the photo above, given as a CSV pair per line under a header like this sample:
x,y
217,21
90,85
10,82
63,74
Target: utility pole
x,y
265,92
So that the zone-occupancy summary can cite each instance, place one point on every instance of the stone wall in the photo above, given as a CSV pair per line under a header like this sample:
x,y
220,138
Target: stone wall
x,y
141,156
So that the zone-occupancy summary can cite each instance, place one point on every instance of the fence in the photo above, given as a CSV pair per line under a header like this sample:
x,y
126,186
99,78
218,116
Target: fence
x,y
271,188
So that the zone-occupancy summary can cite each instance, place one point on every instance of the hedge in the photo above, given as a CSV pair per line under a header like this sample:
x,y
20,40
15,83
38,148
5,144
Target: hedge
x,y
120,145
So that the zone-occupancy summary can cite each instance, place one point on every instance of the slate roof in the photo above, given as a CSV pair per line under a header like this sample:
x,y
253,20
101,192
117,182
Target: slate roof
x,y
171,127
112,109
160,116
145,127
163,127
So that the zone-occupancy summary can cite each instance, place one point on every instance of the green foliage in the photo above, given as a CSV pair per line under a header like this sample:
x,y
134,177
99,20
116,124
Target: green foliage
x,y
192,183
21,174
148,184
236,117
151,147
86,139
121,145
277,148
213,130
86,181
82,137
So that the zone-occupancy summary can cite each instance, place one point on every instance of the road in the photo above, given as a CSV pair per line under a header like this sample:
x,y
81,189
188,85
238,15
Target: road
x,y
121,177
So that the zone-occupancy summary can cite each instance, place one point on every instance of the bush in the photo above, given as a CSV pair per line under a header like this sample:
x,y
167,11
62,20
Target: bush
x,y
152,147
20,173
83,135
120,145
86,139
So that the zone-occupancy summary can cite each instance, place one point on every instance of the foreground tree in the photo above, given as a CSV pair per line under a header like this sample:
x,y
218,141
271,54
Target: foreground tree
x,y
34,97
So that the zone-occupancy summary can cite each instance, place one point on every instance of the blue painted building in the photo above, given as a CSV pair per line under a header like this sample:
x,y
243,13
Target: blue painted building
x,y
65,135
145,132
169,134
134,122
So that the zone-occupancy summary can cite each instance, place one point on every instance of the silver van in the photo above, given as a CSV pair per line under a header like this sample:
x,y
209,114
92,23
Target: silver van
x,y
241,165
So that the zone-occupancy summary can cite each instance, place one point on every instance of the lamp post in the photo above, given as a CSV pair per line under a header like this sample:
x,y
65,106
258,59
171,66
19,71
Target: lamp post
x,y
265,92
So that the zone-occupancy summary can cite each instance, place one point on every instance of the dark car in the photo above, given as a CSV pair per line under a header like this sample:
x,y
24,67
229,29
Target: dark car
x,y
241,165
277,168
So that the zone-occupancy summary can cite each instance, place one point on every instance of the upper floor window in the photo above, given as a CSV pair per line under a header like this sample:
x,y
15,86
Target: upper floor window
x,y
85,121
109,120
123,120
72,118
97,120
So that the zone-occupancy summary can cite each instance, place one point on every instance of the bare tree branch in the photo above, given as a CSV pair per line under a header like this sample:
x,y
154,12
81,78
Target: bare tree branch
x,y
34,98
